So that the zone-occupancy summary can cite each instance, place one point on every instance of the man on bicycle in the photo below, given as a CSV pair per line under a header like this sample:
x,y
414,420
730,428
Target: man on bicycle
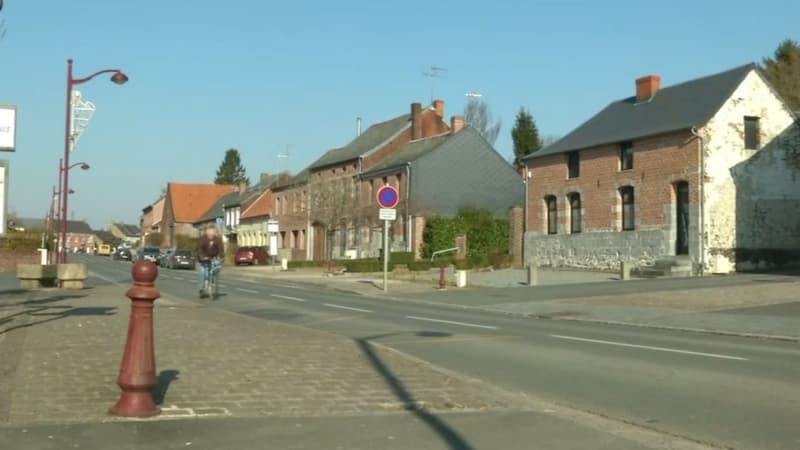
x,y
210,252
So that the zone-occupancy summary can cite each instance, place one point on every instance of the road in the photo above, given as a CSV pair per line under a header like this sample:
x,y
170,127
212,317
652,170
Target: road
x,y
726,391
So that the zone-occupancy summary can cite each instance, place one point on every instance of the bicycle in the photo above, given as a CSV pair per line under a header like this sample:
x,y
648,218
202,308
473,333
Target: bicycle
x,y
212,267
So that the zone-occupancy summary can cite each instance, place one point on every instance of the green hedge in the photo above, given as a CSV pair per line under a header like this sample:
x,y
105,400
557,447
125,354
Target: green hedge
x,y
487,235
402,257
23,240
419,266
305,264
364,265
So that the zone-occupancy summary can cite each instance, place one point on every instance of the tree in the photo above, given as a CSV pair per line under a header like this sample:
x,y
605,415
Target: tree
x,y
478,115
231,170
525,135
783,71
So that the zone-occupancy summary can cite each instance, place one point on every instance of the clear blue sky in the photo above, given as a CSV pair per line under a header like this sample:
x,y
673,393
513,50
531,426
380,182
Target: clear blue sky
x,y
258,75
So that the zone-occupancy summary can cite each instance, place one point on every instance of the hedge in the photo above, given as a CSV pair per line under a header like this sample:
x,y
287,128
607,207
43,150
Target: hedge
x,y
364,265
487,235
305,264
402,257
419,266
23,240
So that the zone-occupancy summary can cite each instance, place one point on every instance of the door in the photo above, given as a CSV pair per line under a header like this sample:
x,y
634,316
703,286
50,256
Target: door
x,y
682,215
319,243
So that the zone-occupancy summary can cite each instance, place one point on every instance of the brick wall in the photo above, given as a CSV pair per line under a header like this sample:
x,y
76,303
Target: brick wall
x,y
10,258
659,163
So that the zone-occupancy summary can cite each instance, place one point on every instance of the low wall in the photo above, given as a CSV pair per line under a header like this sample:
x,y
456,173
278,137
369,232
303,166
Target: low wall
x,y
10,258
597,250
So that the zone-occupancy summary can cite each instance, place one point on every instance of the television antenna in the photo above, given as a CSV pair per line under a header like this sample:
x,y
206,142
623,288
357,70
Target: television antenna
x,y
285,157
434,73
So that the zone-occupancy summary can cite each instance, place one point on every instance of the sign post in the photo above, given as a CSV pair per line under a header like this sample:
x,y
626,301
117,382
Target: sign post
x,y
388,198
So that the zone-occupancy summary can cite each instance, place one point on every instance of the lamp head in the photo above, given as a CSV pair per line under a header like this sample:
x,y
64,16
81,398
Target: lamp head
x,y
119,78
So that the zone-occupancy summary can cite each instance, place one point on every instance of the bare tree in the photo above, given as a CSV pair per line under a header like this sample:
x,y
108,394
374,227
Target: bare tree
x,y
478,115
334,204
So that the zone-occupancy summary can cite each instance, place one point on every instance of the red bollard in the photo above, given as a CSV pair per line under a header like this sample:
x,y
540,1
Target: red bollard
x,y
442,277
137,372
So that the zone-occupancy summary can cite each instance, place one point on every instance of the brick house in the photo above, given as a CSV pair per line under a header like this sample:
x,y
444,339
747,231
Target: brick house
x,y
438,175
318,210
130,234
152,218
184,204
688,172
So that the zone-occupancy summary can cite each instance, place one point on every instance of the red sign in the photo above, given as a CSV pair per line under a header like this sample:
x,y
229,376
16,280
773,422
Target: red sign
x,y
388,197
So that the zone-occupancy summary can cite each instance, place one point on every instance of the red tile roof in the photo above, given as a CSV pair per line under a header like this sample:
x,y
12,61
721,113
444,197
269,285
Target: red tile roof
x,y
261,207
191,201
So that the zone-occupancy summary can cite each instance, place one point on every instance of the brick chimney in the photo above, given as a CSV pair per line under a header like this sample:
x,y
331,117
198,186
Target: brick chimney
x,y
242,187
438,106
646,87
456,124
416,121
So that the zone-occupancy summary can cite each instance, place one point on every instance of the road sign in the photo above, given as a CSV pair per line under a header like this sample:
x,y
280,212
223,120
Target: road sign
x,y
8,128
388,197
387,214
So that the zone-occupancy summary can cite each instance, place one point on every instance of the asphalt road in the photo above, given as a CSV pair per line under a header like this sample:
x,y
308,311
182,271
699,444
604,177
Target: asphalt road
x,y
727,391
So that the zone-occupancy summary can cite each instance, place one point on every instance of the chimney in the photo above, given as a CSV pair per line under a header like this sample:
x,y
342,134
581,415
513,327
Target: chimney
x,y
438,106
646,87
416,121
358,126
242,187
456,124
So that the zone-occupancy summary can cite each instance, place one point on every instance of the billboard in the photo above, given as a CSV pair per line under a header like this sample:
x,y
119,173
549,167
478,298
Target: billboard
x,y
8,128
3,198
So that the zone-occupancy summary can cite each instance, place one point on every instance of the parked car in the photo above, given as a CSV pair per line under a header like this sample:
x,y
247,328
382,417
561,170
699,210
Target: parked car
x,y
104,250
165,256
151,254
123,254
251,255
179,259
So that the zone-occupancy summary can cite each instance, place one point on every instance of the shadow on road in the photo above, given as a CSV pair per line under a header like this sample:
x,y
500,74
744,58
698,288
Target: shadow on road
x,y
43,310
450,436
165,379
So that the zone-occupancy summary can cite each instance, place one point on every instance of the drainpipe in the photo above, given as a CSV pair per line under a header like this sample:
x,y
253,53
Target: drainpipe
x,y
409,238
702,200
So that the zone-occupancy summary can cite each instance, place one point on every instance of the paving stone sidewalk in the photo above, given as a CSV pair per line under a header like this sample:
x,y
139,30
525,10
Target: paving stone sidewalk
x,y
60,353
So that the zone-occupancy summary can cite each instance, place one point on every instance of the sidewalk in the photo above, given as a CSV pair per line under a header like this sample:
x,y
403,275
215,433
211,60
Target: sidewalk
x,y
61,352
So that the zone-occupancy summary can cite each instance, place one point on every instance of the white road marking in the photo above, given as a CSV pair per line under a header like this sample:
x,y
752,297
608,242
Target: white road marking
x,y
286,297
331,305
249,291
286,286
179,278
451,322
224,286
647,347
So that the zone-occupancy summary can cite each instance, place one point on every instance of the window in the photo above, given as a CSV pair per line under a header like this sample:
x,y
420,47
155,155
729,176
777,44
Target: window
x,y
628,208
626,156
552,214
574,164
751,133
575,212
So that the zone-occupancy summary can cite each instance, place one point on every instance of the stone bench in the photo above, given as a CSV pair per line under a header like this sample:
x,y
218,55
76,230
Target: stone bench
x,y
36,276
73,275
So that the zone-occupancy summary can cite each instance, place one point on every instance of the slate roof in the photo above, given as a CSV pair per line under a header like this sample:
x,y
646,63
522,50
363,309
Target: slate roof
x,y
216,210
678,107
192,201
76,226
106,237
411,152
128,229
369,139
27,224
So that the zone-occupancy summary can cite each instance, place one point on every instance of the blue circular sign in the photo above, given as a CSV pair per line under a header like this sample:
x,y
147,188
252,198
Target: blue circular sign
x,y
388,197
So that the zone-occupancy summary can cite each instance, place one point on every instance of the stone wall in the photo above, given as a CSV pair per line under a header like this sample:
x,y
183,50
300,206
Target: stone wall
x,y
752,196
598,250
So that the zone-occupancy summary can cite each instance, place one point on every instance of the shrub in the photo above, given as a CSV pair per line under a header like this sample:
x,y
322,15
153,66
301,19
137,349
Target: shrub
x,y
463,264
23,240
419,266
486,235
364,265
401,257
305,264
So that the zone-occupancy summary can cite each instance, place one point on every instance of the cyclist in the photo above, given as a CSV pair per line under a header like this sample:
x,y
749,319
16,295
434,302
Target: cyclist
x,y
210,251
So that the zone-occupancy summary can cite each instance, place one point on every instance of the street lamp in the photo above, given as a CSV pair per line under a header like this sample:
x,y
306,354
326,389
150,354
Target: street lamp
x,y
117,77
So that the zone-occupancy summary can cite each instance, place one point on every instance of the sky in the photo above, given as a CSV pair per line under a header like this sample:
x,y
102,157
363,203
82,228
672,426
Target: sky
x,y
264,76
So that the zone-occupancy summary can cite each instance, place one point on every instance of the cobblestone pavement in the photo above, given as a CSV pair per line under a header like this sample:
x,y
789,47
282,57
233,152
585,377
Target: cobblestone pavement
x,y
60,352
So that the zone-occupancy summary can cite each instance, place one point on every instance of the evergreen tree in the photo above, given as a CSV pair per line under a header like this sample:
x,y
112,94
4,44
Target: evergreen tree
x,y
783,71
231,170
525,135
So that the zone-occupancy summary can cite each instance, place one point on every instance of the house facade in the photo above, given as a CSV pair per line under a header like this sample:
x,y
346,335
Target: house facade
x,y
130,234
253,221
152,218
184,205
667,174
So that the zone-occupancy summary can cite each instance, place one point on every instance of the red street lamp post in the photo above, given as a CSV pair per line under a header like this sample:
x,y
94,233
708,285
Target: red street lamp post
x,y
57,194
117,77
